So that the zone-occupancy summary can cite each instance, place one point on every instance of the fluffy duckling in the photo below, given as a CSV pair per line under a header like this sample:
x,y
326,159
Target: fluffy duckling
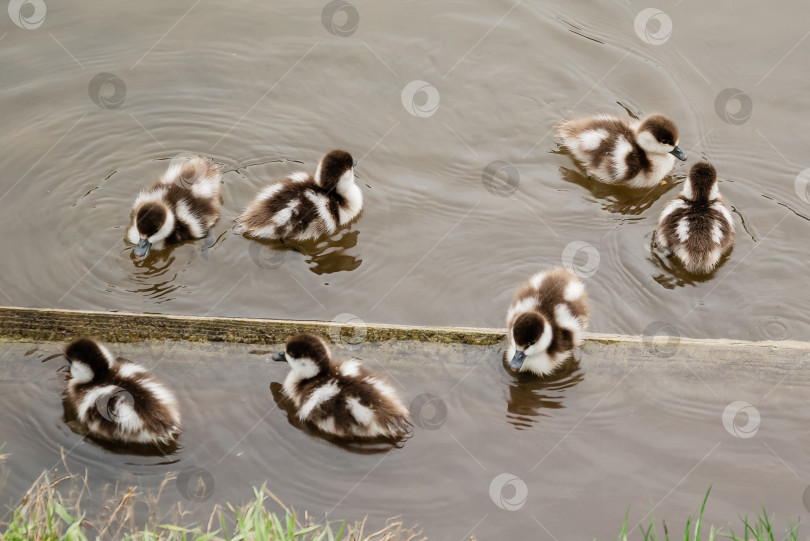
x,y
303,207
632,153
696,226
183,205
545,321
117,400
343,399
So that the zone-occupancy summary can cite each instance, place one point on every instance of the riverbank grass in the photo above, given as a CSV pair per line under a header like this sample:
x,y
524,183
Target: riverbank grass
x,y
760,529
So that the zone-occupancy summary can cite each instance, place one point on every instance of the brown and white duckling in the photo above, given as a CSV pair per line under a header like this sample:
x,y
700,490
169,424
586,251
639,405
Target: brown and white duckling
x,y
546,320
117,400
303,207
183,205
696,226
344,399
632,153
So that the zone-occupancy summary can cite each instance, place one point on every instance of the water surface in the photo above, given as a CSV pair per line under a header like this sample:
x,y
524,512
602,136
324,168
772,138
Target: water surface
x,y
267,88
626,426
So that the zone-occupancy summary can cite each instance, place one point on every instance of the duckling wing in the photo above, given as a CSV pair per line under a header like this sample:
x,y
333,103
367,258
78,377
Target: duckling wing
x,y
604,145
289,209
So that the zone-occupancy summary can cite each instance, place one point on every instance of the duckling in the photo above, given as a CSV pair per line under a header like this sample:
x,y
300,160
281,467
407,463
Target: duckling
x,y
303,207
343,399
637,154
546,320
183,205
696,226
117,400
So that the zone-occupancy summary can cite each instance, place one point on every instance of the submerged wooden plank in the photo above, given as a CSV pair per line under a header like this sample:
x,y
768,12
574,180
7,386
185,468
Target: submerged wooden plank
x,y
46,324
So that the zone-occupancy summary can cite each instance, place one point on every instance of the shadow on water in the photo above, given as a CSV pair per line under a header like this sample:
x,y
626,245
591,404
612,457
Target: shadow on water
x,y
366,447
138,449
674,274
530,395
324,256
616,199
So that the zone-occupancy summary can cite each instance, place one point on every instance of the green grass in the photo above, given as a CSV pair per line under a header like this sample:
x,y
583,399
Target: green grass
x,y
760,529
46,514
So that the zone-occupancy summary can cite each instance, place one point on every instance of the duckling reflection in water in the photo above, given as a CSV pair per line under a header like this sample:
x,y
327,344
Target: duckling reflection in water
x,y
323,256
531,398
618,199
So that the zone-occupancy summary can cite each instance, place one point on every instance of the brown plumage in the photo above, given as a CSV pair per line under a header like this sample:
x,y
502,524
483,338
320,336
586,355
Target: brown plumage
x,y
697,226
183,205
343,399
545,321
302,206
628,152
117,400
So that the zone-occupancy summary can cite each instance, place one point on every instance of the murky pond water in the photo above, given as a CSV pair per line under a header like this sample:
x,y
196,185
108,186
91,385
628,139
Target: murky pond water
x,y
433,99
627,426
266,88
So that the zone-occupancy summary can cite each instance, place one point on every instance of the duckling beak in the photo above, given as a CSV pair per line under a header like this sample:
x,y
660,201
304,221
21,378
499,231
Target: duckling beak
x,y
678,153
517,361
280,357
354,162
142,248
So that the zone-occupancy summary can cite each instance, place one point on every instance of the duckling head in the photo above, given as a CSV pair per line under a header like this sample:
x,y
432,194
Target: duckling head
x,y
658,135
531,335
701,183
89,360
154,221
336,171
307,354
